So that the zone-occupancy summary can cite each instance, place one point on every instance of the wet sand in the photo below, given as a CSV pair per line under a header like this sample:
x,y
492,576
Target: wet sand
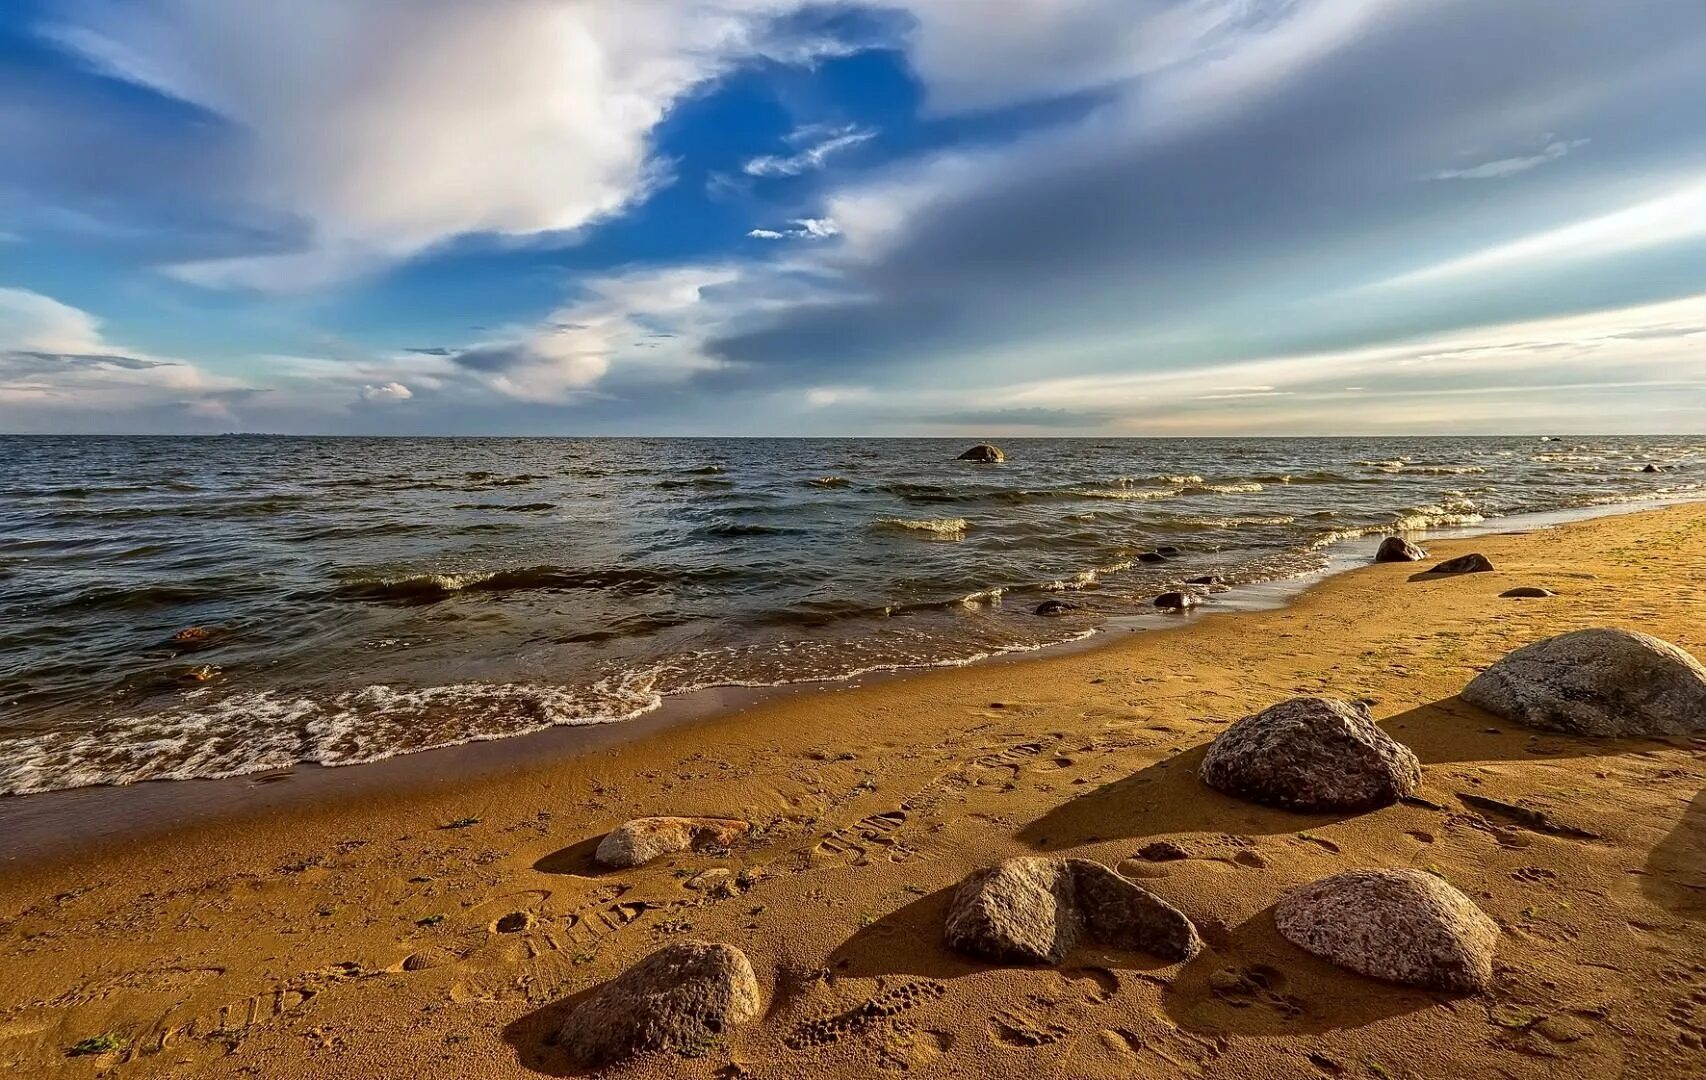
x,y
267,936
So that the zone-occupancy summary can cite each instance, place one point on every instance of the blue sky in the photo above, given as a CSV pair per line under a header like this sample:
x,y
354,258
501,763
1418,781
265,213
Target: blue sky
x,y
1164,217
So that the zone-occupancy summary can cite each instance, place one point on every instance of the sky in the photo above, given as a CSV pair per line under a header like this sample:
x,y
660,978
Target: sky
x,y
911,217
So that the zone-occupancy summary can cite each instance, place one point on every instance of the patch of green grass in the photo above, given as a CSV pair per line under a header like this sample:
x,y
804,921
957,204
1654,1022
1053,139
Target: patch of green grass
x,y
104,1043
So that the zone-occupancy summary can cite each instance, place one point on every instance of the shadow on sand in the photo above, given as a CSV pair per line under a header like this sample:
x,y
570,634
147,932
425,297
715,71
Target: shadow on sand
x,y
534,1038
575,859
1676,870
1251,981
1169,797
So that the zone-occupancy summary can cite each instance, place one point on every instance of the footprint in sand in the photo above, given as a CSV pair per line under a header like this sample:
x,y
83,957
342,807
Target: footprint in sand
x,y
864,1018
854,844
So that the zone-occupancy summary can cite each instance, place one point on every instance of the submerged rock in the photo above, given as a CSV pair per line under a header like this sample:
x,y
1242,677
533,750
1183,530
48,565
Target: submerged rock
x,y
1034,910
984,453
679,998
1151,557
1176,601
1210,580
1464,564
637,842
1404,926
1602,682
1311,754
1527,592
1398,549
1056,607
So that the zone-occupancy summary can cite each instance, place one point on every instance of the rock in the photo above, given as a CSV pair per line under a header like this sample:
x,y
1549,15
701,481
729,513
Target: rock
x,y
1034,910
1056,607
1527,592
1169,550
1162,851
1311,754
1210,580
513,923
1599,682
1151,557
1398,549
1651,468
1464,564
1176,601
201,673
984,454
193,638
679,998
637,842
1404,926
709,880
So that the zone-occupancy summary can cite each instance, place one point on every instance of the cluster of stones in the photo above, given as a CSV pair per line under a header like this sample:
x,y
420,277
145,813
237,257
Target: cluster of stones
x,y
1306,754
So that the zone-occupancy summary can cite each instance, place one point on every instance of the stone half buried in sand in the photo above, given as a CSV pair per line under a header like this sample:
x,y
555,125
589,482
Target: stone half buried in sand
x,y
984,453
1404,926
1601,682
1311,754
1464,564
677,999
1398,549
637,842
1034,910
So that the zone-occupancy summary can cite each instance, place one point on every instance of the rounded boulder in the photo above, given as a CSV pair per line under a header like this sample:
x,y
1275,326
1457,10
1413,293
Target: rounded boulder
x,y
1598,682
1311,754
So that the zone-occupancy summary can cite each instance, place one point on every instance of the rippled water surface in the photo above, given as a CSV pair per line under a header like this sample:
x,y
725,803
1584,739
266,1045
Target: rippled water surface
x,y
368,597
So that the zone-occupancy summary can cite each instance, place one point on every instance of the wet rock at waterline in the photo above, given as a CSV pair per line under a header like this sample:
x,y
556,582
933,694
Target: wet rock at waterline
x,y
1176,601
984,453
1599,682
1311,754
1151,557
1398,549
637,842
1056,607
1207,580
679,998
1404,926
1034,910
1464,564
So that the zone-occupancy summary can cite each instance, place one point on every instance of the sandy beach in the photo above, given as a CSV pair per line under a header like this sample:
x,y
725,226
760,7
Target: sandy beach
x,y
269,938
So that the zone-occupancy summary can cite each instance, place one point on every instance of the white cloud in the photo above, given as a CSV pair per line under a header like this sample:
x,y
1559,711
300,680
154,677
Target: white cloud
x,y
803,229
821,397
386,392
821,147
393,127
1674,217
1504,168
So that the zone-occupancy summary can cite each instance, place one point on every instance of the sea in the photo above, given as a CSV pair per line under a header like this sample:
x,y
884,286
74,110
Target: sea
x,y
174,608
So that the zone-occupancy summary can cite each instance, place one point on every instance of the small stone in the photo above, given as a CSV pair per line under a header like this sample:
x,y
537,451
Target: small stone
x,y
708,880
1527,592
1206,579
1397,549
1176,601
679,998
1464,564
1056,607
638,842
1404,926
1162,851
1152,557
1169,550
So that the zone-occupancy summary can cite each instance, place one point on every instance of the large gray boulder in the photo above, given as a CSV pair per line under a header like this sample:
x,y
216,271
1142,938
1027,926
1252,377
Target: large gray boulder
x,y
1311,754
984,453
678,998
1404,926
637,842
1603,682
1034,910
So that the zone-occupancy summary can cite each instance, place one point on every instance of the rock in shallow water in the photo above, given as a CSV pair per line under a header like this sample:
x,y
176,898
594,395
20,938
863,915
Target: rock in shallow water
x,y
1056,607
1034,910
679,998
1176,601
1602,682
1398,549
1311,754
1404,926
984,453
637,842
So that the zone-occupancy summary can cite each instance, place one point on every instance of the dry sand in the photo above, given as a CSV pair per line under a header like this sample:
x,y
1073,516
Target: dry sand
x,y
272,943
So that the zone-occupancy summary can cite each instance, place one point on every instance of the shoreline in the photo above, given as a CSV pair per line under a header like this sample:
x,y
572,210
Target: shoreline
x,y
360,934
34,826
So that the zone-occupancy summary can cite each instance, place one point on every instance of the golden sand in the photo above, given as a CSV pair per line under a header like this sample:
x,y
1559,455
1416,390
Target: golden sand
x,y
272,942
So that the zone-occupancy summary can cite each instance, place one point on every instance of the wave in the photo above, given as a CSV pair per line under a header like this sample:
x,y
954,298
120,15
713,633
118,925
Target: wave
x,y
431,587
940,528
1418,519
514,508
828,482
1235,487
706,481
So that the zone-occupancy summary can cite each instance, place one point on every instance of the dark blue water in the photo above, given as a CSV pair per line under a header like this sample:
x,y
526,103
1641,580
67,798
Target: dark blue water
x,y
366,597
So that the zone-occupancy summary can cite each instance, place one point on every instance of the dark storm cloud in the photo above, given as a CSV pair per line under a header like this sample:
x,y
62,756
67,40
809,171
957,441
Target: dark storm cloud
x,y
1316,185
492,359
